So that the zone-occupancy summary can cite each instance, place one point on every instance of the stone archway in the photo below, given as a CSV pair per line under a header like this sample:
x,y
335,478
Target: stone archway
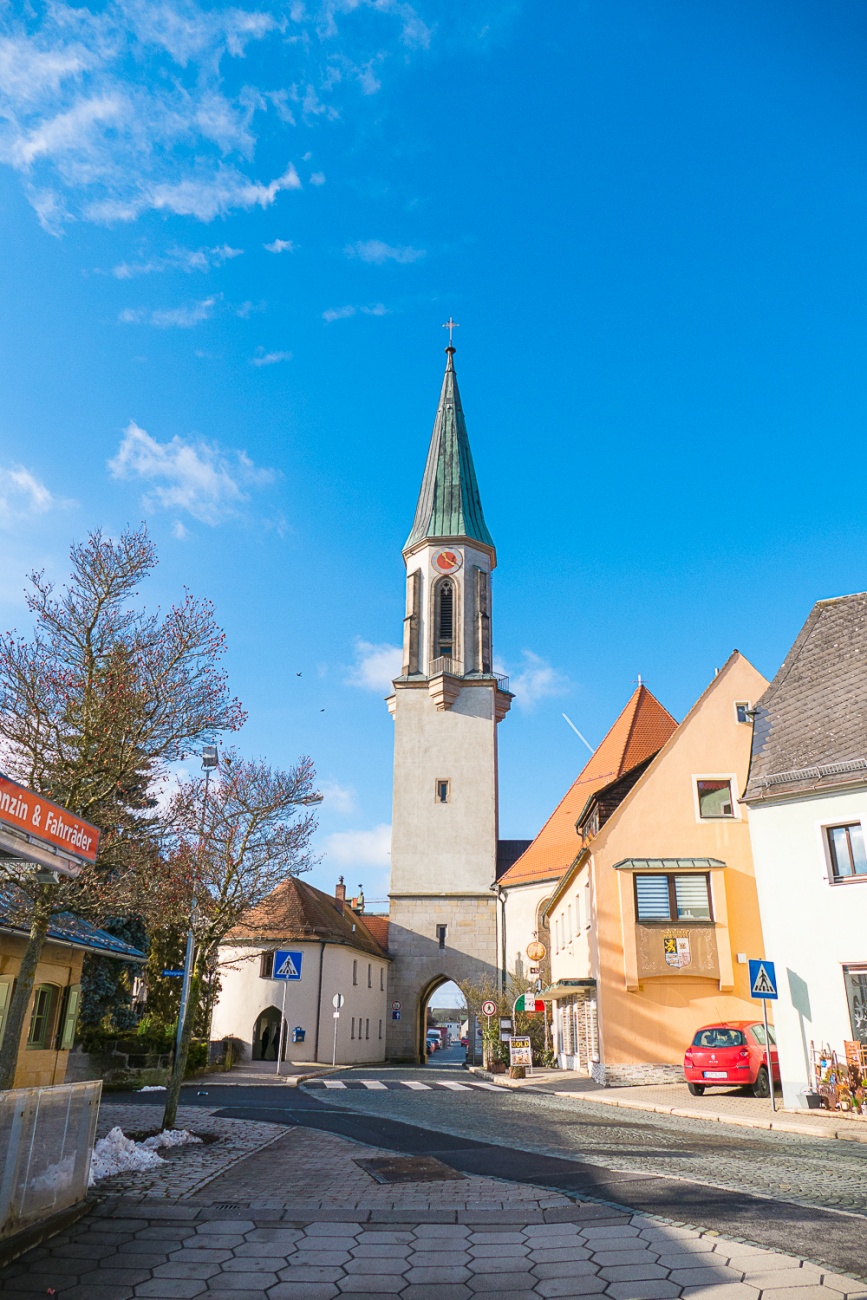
x,y
424,999
266,1033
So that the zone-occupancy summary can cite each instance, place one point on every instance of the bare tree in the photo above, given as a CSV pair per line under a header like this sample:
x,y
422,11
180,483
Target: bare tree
x,y
225,854
94,705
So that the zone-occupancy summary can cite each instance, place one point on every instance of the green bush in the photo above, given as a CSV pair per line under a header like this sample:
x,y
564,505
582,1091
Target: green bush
x,y
197,1059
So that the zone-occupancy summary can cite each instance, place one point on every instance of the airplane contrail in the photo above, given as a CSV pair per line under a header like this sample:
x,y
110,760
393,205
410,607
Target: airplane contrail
x,y
578,734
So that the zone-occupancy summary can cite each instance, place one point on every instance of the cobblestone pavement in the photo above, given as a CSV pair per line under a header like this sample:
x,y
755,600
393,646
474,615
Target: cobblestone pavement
x,y
189,1167
804,1170
551,1247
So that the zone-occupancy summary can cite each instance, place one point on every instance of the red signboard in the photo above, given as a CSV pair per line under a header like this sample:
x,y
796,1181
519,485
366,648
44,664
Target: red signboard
x,y
46,821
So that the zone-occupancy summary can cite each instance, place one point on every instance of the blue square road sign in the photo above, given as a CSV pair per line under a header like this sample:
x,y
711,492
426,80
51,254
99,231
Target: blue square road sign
x,y
287,965
763,980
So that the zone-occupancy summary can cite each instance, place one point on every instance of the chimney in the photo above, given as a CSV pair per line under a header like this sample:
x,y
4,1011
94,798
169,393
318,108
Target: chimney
x,y
340,894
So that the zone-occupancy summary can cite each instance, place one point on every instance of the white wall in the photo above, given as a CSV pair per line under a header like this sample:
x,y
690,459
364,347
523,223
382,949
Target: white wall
x,y
245,995
812,928
522,915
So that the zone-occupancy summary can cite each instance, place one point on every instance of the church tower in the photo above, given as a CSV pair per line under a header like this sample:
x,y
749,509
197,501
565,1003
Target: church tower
x,y
446,705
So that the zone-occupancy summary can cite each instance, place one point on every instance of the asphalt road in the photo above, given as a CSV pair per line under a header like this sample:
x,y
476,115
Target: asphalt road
x,y
799,1195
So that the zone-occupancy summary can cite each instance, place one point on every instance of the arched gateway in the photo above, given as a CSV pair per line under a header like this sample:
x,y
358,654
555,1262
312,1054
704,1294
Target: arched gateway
x,y
446,705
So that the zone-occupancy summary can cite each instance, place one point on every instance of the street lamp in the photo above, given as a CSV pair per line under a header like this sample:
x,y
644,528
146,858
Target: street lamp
x,y
210,762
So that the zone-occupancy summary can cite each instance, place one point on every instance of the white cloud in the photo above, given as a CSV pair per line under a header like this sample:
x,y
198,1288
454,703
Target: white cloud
x,y
359,848
345,313
22,496
338,313
339,798
207,481
375,666
181,259
317,178
170,317
537,680
179,531
263,358
280,246
375,251
109,111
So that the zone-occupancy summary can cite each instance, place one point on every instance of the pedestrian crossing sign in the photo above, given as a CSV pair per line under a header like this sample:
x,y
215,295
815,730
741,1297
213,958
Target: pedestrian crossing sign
x,y
763,980
287,965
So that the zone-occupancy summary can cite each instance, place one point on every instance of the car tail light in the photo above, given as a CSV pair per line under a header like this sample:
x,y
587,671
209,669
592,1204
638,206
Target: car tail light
x,y
687,1060
744,1051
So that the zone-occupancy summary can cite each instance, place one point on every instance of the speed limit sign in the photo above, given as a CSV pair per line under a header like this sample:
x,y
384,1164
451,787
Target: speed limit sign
x,y
489,1008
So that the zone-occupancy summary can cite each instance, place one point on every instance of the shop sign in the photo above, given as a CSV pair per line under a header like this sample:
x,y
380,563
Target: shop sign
x,y
47,822
677,951
520,1052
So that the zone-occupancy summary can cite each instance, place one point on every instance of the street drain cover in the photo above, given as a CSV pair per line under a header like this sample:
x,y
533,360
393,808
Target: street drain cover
x,y
408,1169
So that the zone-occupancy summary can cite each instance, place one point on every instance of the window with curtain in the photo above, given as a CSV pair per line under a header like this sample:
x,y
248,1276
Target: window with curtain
x,y
673,897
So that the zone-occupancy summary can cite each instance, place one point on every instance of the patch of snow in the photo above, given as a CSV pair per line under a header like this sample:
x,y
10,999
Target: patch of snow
x,y
170,1137
153,1087
56,1178
116,1154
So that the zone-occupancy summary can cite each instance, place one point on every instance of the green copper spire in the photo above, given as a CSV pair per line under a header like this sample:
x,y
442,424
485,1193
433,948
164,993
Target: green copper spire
x,y
449,504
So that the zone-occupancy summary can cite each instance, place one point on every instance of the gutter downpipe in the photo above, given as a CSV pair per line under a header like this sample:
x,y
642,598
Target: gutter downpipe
x,y
319,1000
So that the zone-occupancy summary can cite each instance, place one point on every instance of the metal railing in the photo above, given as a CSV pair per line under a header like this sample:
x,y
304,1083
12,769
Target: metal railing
x,y
46,1141
454,668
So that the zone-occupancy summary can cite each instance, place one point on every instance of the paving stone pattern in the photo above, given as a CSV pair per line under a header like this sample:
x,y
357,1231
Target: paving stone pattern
x,y
123,1252
807,1171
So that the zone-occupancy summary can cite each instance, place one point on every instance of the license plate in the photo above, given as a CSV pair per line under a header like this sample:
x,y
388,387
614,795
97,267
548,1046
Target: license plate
x,y
715,1074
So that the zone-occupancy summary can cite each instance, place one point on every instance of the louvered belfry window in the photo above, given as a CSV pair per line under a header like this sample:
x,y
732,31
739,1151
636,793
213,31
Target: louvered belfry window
x,y
446,619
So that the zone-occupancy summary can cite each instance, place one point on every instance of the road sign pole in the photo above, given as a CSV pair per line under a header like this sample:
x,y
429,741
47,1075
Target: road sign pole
x,y
283,1028
334,1051
768,1054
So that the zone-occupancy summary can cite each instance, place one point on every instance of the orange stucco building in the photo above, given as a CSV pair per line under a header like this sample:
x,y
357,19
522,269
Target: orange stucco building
x,y
652,925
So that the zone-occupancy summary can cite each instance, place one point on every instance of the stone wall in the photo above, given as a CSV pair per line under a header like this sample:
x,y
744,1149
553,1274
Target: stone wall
x,y
469,957
625,1076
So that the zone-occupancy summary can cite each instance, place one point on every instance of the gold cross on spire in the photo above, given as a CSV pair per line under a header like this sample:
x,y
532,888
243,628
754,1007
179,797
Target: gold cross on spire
x,y
451,325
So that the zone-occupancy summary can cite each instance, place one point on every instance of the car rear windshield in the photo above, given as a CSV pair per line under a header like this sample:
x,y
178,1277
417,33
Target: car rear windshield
x,y
718,1038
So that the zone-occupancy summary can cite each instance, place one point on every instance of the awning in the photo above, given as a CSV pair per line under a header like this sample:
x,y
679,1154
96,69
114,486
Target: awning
x,y
669,864
565,989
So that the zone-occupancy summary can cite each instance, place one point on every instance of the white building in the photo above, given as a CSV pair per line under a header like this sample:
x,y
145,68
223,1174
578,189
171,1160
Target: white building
x,y
807,796
331,950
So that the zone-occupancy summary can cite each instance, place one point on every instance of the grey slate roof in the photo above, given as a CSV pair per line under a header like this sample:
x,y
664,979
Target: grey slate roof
x,y
67,928
449,504
811,723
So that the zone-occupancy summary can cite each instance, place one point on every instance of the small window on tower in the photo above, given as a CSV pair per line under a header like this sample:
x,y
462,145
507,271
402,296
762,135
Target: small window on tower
x,y
442,930
443,791
445,619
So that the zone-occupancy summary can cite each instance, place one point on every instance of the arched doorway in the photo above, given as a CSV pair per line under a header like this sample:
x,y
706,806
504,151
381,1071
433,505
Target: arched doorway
x,y
442,1023
266,1033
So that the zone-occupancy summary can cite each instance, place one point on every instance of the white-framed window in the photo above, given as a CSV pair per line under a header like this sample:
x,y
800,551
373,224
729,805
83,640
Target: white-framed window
x,y
370,974
355,971
847,858
587,905
715,798
742,711
569,923
673,897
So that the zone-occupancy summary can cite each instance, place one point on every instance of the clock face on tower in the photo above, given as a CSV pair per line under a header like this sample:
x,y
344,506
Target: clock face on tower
x,y
447,561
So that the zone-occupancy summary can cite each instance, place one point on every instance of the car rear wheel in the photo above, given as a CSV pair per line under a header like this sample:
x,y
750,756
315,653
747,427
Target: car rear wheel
x,y
696,1089
761,1087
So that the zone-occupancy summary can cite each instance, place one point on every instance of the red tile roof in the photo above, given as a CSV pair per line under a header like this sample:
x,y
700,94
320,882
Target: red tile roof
x,y
641,730
295,911
378,927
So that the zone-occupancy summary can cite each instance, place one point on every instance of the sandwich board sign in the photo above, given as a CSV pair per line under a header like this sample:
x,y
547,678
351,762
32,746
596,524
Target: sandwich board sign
x,y
520,1052
287,965
763,980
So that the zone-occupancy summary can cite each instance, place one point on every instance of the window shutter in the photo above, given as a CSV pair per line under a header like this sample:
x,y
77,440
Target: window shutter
x,y
652,895
5,998
692,898
69,1017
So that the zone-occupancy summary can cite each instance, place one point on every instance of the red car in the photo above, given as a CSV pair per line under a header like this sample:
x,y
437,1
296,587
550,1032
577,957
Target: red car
x,y
731,1053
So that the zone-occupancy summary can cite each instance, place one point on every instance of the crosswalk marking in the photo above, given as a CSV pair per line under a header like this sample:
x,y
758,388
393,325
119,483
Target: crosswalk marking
x,y
333,1083
490,1087
392,1085
373,1083
415,1085
455,1087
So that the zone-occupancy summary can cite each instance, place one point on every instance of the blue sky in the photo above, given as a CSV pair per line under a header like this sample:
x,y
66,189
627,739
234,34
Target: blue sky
x,y
229,238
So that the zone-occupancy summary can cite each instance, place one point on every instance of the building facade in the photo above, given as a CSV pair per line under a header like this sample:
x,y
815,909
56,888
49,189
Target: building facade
x,y
332,952
653,924
527,886
807,797
446,704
